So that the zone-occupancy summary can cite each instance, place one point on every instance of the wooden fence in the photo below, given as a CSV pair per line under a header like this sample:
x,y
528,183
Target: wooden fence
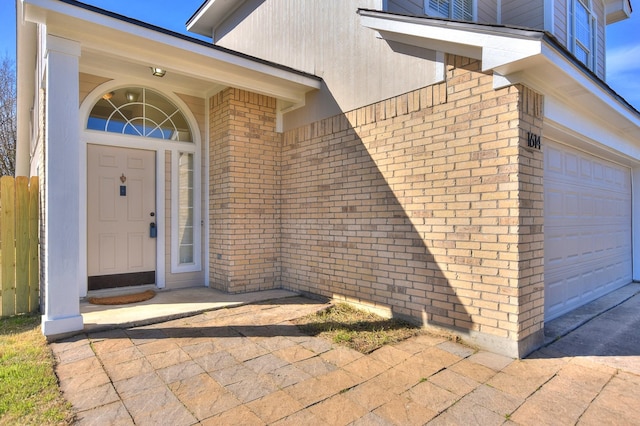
x,y
20,277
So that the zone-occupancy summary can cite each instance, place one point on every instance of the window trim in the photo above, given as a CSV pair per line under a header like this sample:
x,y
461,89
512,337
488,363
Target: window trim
x,y
196,265
574,43
161,146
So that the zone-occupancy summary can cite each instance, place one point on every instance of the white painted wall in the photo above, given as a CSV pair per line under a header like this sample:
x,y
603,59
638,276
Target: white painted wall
x,y
326,38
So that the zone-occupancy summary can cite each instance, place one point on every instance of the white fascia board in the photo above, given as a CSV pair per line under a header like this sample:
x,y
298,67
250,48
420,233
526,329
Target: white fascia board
x,y
573,99
433,44
617,10
197,23
67,11
580,127
625,119
498,54
211,14
494,49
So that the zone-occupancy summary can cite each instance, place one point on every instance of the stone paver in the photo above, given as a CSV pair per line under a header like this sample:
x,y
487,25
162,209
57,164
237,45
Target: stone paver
x,y
250,365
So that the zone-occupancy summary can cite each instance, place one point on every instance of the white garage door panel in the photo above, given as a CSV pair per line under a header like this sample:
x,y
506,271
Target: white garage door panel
x,y
587,228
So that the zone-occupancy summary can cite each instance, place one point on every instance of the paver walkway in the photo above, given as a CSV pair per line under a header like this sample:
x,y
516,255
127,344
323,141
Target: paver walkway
x,y
250,365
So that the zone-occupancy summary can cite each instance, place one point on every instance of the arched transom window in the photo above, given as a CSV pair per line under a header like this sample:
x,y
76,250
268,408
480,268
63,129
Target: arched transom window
x,y
139,112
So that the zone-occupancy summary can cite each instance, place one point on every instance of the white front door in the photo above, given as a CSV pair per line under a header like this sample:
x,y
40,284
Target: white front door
x,y
121,200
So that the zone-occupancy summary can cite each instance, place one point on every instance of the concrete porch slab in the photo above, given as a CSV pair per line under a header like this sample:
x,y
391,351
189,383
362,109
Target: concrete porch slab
x,y
168,305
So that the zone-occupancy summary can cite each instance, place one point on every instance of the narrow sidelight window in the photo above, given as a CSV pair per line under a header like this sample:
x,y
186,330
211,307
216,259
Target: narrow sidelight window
x,y
185,208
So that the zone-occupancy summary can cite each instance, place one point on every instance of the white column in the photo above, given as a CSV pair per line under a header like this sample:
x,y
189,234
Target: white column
x,y
62,189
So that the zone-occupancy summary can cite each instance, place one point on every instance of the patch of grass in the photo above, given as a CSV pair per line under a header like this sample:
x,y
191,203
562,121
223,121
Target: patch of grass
x,y
360,330
29,393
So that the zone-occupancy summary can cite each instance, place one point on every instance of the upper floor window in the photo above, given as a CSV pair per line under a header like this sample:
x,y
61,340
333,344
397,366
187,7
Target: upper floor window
x,y
461,10
582,30
140,112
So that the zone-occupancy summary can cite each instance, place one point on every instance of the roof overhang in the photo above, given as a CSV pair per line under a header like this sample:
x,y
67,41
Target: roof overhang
x,y
112,42
516,55
617,10
114,46
211,14
493,46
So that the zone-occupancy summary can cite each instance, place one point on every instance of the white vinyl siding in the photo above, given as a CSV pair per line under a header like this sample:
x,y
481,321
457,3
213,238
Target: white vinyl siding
x,y
487,12
315,42
587,228
599,48
560,21
528,14
407,7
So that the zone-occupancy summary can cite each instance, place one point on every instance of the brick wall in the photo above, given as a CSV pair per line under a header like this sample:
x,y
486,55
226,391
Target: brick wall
x,y
244,192
428,203
530,224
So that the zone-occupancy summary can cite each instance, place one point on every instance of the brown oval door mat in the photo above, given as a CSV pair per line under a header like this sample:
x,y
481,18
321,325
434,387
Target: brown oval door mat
x,y
123,299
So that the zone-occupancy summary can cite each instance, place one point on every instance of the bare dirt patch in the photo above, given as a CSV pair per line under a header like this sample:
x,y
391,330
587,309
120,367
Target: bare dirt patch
x,y
357,329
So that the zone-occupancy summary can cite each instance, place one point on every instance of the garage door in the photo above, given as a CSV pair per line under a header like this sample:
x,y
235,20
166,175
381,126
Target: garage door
x,y
587,228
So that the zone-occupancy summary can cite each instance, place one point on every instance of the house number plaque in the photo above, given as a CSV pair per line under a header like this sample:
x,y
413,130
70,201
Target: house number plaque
x,y
534,141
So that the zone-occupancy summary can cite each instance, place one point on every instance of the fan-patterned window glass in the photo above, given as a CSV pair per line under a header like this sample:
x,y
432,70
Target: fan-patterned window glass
x,y
461,10
139,112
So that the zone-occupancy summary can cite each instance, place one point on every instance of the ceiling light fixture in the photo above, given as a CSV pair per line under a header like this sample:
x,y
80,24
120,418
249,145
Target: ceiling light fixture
x,y
131,96
158,72
107,96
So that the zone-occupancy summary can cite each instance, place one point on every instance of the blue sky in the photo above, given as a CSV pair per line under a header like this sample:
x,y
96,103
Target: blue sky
x,y
623,38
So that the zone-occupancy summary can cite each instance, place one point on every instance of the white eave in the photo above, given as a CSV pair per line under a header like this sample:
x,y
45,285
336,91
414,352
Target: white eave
x,y
515,56
468,40
617,10
210,15
113,38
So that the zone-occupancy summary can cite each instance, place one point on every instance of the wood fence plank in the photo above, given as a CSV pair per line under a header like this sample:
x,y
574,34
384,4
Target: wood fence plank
x,y
34,231
22,244
7,198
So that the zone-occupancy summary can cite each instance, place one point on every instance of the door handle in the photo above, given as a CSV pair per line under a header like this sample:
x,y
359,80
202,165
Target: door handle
x,y
153,230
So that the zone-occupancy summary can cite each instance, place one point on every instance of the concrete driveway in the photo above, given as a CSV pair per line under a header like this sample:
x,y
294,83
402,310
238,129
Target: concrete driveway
x,y
249,365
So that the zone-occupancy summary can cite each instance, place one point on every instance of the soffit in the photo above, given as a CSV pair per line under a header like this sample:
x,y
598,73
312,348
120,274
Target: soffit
x,y
211,14
110,45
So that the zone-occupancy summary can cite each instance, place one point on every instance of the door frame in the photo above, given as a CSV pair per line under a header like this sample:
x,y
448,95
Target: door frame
x,y
131,142
128,278
161,147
